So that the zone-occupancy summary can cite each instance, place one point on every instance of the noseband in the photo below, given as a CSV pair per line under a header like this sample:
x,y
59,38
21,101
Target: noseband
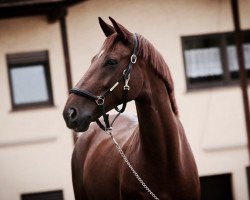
x,y
100,100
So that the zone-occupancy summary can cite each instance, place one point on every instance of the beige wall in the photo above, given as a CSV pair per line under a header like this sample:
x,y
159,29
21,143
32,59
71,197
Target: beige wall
x,y
35,146
213,118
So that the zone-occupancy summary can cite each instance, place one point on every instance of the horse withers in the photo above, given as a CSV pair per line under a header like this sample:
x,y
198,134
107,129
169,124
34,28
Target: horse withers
x,y
128,68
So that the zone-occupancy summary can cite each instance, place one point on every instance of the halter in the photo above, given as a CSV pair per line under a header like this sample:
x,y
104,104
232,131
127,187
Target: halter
x,y
100,100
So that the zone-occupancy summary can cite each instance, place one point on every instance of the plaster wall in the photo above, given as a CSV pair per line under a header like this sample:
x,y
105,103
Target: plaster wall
x,y
35,145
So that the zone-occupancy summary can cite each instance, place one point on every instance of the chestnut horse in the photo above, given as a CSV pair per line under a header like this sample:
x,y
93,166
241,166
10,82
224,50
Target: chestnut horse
x,y
127,68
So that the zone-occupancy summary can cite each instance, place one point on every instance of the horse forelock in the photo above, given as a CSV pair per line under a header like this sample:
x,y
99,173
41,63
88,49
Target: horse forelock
x,y
110,42
150,54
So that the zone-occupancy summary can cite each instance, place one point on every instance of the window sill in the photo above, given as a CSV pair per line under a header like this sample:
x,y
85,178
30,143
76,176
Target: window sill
x,y
32,107
214,86
28,141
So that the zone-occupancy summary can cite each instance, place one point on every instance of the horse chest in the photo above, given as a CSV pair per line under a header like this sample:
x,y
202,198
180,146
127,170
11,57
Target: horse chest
x,y
106,175
115,182
101,171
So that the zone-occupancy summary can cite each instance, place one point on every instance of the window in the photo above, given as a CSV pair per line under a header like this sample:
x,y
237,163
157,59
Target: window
x,y
210,60
52,195
232,55
29,77
216,187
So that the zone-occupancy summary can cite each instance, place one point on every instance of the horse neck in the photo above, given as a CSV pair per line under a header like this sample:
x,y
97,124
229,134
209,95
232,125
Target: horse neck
x,y
158,125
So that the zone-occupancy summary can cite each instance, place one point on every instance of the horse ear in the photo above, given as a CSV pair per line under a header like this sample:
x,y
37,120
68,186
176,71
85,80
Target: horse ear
x,y
122,32
106,28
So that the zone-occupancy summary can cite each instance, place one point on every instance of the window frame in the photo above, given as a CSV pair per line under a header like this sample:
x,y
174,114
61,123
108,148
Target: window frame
x,y
38,195
222,45
29,59
208,180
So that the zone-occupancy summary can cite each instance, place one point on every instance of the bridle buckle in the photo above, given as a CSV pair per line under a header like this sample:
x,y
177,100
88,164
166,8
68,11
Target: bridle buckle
x,y
100,100
126,86
109,130
133,59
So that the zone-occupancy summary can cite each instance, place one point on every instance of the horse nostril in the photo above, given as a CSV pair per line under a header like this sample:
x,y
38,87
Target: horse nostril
x,y
72,114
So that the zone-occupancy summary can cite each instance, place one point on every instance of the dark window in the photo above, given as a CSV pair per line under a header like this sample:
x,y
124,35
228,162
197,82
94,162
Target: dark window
x,y
29,77
216,187
232,57
52,195
210,60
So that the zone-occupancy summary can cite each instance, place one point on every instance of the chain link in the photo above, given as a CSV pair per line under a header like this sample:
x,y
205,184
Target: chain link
x,y
130,166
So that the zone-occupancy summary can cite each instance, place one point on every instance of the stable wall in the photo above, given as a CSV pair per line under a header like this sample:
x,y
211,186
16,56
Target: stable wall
x,y
35,145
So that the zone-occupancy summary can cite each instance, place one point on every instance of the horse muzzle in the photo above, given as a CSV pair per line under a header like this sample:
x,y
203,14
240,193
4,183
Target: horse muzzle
x,y
76,121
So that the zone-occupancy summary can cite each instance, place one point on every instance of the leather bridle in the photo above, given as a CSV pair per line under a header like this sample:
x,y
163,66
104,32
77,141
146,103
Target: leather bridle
x,y
100,100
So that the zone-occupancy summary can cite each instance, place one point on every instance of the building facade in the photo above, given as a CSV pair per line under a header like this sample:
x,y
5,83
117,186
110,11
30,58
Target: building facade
x,y
36,146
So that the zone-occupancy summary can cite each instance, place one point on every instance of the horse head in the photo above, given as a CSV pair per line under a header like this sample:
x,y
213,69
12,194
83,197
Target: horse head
x,y
104,81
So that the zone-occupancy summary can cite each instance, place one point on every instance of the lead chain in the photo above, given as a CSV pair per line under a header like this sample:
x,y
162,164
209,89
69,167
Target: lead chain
x,y
130,166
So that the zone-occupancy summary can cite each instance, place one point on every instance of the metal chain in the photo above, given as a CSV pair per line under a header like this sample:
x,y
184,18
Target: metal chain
x,y
130,166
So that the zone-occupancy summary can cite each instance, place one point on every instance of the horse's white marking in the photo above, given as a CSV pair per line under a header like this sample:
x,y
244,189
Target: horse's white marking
x,y
101,52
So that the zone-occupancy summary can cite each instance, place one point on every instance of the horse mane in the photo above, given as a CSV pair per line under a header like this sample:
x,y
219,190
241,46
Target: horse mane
x,y
150,54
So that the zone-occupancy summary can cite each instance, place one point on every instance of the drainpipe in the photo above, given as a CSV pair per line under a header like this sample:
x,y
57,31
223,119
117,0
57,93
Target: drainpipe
x,y
242,73
64,36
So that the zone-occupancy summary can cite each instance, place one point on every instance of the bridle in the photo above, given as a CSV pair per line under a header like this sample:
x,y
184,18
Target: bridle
x,y
100,100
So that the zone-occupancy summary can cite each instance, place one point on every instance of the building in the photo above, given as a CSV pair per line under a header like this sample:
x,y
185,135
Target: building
x,y
36,146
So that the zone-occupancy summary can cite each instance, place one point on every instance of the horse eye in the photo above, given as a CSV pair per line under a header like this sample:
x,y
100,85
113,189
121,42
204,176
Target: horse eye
x,y
111,62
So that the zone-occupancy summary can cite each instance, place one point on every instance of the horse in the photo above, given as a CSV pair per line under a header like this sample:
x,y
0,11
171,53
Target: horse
x,y
160,163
